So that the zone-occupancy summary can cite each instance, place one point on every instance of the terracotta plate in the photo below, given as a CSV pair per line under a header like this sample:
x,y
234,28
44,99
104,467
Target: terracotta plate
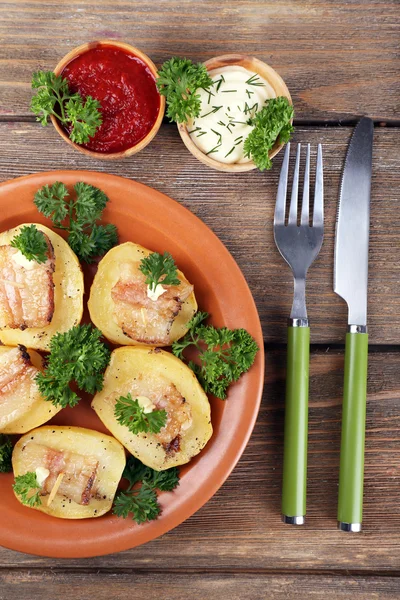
x,y
159,223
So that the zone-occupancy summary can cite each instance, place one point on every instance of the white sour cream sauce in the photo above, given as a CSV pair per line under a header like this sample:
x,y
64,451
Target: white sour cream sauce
x,y
221,128
41,475
22,261
146,404
156,293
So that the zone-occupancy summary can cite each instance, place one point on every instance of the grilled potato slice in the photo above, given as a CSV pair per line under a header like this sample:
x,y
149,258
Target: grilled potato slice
x,y
163,382
84,468
68,294
120,308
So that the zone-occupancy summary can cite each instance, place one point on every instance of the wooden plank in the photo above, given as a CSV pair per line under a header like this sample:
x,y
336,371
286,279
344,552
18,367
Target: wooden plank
x,y
25,585
239,209
239,528
339,59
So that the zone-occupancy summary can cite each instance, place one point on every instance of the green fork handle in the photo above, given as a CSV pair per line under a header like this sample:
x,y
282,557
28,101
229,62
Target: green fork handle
x,y
296,425
351,475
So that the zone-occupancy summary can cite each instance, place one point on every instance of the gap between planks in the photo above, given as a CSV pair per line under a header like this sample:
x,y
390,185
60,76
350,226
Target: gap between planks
x,y
203,571
345,122
334,347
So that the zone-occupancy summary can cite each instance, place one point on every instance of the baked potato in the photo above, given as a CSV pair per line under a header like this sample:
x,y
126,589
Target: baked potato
x,y
164,382
78,469
21,405
49,295
120,307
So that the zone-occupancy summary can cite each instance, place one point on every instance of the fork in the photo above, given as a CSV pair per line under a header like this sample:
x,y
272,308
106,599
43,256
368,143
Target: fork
x,y
299,245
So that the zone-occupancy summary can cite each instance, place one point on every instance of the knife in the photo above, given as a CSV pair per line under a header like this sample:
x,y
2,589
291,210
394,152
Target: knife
x,y
350,282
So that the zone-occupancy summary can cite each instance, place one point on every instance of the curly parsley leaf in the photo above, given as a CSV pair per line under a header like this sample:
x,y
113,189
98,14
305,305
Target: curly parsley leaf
x,y
78,355
28,489
135,471
42,105
141,501
271,123
90,202
159,269
96,243
165,481
51,201
5,453
49,81
178,80
223,354
103,237
85,118
81,117
32,243
78,217
180,345
132,415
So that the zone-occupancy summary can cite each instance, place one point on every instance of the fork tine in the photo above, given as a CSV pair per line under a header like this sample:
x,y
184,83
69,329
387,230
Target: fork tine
x,y
295,189
318,218
279,218
305,208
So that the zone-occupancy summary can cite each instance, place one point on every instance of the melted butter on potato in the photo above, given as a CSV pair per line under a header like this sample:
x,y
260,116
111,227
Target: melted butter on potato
x,y
169,384
91,464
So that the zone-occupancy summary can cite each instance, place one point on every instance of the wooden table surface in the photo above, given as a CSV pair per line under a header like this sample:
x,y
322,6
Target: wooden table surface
x,y
340,61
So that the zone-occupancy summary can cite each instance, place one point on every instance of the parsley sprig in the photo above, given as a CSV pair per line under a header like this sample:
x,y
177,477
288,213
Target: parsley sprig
x,y
223,354
5,453
81,117
142,501
28,489
32,243
159,269
78,217
79,356
130,413
271,123
178,80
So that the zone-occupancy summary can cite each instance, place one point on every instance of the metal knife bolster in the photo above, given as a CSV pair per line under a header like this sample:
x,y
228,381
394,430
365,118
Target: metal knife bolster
x,y
357,329
298,322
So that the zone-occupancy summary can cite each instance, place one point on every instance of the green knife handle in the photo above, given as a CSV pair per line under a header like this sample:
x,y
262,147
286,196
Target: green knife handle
x,y
296,425
351,475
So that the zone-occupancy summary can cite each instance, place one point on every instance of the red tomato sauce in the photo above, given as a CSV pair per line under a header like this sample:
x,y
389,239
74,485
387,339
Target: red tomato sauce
x,y
126,89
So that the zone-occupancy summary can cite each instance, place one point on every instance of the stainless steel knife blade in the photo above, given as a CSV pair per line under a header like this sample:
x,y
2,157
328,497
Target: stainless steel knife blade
x,y
352,227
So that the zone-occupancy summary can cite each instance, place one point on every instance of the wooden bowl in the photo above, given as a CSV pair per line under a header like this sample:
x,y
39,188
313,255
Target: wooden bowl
x,y
256,66
146,140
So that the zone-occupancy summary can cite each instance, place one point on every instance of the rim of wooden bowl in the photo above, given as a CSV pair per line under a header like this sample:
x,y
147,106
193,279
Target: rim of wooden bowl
x,y
262,69
148,62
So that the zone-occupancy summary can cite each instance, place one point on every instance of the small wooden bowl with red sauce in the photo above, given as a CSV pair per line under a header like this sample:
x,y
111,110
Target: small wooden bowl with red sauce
x,y
123,79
